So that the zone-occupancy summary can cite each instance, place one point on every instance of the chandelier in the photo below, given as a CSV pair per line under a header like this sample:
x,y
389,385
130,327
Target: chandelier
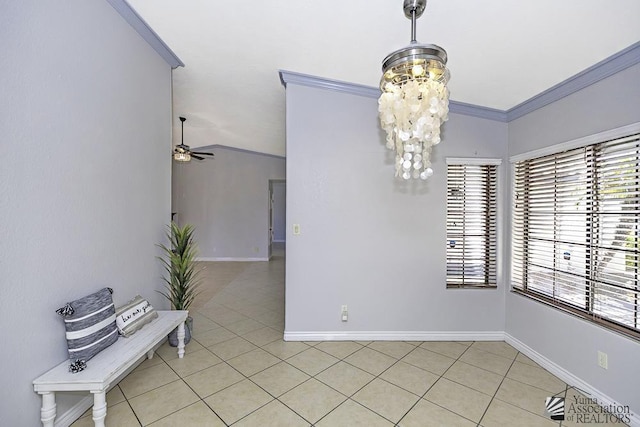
x,y
414,100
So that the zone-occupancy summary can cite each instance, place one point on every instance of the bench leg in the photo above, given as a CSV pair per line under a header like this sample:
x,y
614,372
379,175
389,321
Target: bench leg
x,y
150,354
181,340
99,408
48,410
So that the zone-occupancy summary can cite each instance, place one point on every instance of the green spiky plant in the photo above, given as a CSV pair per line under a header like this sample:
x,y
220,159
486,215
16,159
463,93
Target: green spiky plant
x,y
182,279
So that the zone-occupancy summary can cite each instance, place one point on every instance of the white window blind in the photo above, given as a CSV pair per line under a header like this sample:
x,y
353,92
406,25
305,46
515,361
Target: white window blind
x,y
575,231
471,223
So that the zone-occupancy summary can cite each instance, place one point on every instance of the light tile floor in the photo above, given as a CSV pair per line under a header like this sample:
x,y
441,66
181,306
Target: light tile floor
x,y
238,371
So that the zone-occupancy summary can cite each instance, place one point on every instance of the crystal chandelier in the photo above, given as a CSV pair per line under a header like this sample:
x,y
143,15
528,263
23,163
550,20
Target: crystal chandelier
x,y
414,100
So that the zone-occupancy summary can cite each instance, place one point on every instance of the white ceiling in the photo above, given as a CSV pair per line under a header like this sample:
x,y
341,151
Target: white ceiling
x,y
501,52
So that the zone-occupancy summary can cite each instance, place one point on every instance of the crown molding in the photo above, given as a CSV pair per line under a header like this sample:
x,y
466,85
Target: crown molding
x,y
600,71
145,31
239,150
287,77
300,79
603,69
477,111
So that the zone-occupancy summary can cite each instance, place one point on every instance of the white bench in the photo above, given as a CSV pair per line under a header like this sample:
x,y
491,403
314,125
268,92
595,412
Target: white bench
x,y
107,366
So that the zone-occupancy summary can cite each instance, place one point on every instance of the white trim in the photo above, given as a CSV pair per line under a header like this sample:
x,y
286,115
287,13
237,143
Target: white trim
x,y
472,161
565,375
108,367
74,413
455,107
239,150
508,226
287,77
488,113
78,409
233,259
394,336
146,32
607,67
578,143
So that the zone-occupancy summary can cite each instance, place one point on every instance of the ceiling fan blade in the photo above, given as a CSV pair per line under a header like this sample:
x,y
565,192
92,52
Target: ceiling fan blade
x,y
197,157
202,153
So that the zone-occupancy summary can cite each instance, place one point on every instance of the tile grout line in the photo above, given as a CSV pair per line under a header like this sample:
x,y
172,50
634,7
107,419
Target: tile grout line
x,y
247,287
129,404
529,385
348,397
249,379
497,389
202,399
373,379
435,382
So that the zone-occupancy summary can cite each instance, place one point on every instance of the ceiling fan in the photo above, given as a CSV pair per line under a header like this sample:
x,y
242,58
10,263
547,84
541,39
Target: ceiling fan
x,y
182,153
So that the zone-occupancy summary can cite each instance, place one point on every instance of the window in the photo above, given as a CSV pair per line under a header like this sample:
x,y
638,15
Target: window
x,y
471,222
575,231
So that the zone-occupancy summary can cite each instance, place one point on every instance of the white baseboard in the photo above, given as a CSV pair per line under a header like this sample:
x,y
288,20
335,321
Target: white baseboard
x,y
67,418
547,364
566,376
394,336
231,259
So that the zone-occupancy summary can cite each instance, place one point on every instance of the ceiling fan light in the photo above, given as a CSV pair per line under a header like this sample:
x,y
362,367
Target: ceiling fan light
x,y
181,152
181,157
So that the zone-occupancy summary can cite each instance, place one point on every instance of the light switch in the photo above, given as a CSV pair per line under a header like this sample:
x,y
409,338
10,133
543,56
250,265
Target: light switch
x,y
296,229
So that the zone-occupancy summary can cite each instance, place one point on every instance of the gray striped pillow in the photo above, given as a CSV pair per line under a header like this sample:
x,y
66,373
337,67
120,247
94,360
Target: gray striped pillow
x,y
134,315
91,326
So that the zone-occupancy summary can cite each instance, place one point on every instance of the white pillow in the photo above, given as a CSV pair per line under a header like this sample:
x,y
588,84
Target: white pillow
x,y
134,315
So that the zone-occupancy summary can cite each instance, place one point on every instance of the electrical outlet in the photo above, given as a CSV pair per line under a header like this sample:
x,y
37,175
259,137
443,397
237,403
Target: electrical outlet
x,y
345,313
602,360
296,229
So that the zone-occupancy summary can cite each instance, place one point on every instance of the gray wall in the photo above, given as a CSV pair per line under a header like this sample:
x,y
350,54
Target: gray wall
x,y
366,240
85,118
227,200
570,342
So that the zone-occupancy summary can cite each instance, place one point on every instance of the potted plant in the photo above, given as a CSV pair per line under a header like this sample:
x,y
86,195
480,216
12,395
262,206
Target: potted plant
x,y
182,279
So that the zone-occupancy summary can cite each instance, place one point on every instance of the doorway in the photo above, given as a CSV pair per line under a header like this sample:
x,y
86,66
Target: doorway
x,y
277,217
